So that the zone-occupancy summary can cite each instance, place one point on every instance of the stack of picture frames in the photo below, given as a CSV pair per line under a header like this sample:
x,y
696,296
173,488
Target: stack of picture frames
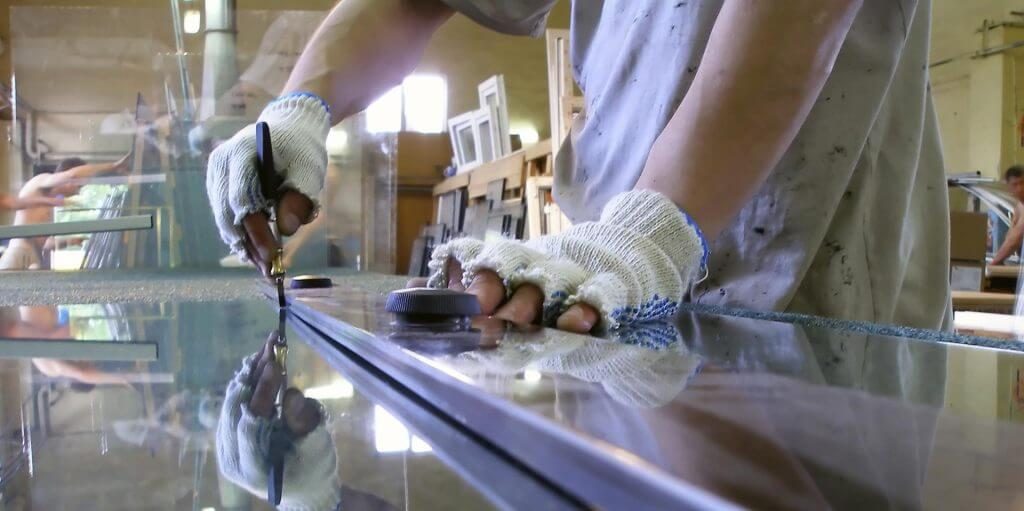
x,y
482,135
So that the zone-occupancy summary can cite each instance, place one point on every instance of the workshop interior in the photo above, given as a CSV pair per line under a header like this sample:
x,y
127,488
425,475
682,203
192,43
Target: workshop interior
x,y
152,356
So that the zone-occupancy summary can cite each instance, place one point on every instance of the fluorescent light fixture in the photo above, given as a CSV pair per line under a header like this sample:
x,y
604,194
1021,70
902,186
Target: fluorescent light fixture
x,y
340,389
426,103
389,434
385,114
531,376
527,134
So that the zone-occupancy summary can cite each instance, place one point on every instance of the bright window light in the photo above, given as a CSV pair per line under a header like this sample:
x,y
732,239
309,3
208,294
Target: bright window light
x,y
337,141
426,103
340,389
389,434
192,21
385,114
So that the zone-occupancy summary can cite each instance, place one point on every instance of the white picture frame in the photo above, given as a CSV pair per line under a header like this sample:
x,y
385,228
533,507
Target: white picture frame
x,y
465,137
493,98
484,122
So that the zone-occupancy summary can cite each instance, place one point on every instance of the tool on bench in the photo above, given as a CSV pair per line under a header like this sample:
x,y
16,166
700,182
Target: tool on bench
x,y
280,437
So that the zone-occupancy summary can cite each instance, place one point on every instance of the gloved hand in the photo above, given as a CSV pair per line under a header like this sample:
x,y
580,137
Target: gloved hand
x,y
243,439
298,126
633,265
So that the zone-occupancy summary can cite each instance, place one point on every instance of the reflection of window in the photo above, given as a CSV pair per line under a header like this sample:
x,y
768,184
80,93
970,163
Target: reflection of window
x,y
390,435
419,104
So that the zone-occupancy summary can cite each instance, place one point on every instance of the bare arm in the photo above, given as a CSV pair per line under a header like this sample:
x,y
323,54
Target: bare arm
x,y
1012,243
363,48
764,67
10,202
45,181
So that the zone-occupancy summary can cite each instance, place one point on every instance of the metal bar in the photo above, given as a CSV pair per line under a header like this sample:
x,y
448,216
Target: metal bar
x,y
110,351
127,223
121,180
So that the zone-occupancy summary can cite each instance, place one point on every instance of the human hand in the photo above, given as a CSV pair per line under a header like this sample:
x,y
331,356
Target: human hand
x,y
244,429
633,265
299,125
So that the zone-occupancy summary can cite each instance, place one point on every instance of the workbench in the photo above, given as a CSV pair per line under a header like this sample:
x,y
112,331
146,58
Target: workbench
x,y
714,409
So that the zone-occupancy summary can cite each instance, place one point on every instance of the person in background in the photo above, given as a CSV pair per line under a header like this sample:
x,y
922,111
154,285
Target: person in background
x,y
1014,177
766,155
65,181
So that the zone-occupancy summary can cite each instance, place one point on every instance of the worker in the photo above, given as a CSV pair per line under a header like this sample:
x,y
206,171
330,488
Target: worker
x,y
1014,178
778,156
64,182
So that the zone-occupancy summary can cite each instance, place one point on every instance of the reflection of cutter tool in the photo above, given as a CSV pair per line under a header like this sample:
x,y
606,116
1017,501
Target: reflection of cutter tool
x,y
271,186
280,436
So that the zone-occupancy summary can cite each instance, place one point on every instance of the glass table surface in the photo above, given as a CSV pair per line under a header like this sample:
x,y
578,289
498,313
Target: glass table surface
x,y
711,410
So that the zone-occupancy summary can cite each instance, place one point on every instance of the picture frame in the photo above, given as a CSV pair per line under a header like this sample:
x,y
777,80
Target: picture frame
x,y
493,98
484,123
465,137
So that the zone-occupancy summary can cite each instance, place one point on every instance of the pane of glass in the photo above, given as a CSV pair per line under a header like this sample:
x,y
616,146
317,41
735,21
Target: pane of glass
x,y
485,141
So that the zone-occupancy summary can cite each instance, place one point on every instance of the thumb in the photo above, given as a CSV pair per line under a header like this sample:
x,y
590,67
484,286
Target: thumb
x,y
293,211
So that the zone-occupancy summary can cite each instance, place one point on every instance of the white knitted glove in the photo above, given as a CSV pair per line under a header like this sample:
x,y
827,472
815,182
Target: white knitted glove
x,y
243,450
633,265
298,127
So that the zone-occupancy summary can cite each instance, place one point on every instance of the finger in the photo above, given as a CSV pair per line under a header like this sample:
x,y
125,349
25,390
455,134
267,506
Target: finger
x,y
263,396
302,414
524,307
455,275
489,290
257,227
579,318
417,282
293,211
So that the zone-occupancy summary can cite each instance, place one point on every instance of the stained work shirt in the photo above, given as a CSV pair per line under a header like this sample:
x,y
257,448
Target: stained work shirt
x,y
852,223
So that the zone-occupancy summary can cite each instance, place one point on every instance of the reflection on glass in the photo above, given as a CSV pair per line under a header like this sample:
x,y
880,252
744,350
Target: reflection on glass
x,y
467,144
391,436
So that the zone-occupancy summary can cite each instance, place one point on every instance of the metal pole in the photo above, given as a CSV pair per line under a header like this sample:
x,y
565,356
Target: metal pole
x,y
127,223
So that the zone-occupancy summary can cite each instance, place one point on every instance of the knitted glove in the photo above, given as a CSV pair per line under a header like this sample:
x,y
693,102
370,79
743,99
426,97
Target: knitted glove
x,y
298,126
243,450
633,265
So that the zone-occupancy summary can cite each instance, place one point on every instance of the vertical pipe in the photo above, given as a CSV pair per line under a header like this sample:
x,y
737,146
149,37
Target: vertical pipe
x,y
220,68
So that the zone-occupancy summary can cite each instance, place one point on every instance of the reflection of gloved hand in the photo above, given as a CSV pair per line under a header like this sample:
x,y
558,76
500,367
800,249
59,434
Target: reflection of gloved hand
x,y
243,438
298,126
646,366
632,265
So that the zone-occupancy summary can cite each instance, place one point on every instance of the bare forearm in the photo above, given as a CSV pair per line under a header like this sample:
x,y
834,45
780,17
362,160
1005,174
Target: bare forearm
x,y
1010,245
764,67
363,48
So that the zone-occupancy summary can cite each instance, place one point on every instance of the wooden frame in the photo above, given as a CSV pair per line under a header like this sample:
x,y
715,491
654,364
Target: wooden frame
x,y
492,97
560,83
467,150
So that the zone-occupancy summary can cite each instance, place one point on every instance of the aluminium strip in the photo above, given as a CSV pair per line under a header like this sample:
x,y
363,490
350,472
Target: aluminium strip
x,y
125,223
600,474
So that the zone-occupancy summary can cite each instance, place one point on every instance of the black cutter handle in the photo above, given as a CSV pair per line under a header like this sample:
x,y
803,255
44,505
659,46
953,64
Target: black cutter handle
x,y
270,180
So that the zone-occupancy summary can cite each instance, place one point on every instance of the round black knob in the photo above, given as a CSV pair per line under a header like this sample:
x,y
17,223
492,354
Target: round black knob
x,y
311,282
440,303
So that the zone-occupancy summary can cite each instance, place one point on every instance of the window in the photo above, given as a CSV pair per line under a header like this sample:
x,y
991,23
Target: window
x,y
420,104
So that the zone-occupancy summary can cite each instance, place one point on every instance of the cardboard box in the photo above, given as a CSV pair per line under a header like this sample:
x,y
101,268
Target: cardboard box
x,y
966,275
968,236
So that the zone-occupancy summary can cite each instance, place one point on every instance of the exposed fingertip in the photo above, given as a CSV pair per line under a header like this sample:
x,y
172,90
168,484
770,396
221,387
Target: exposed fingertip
x,y
575,320
417,282
288,223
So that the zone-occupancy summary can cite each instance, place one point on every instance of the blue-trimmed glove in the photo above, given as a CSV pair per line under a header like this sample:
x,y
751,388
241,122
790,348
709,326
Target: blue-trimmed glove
x,y
633,265
298,125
